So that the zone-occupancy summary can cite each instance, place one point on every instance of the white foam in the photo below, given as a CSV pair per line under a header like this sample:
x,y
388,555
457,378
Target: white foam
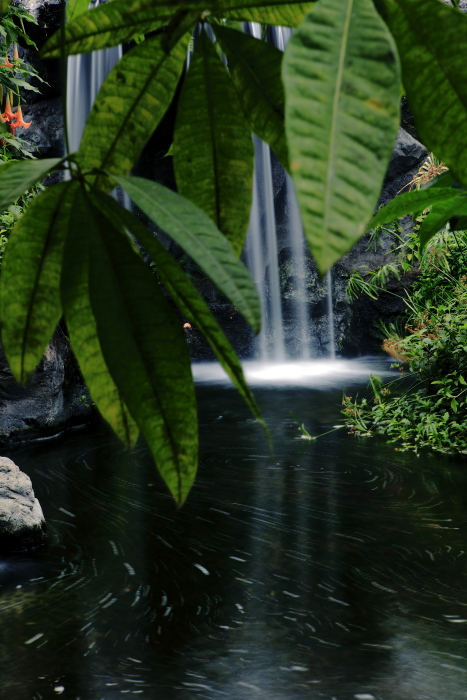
x,y
313,373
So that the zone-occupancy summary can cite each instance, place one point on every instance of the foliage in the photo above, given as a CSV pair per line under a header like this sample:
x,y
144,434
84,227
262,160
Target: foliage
x,y
341,75
434,346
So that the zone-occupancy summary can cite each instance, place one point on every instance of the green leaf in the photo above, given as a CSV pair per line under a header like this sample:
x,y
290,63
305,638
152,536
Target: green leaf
x,y
129,106
342,85
145,350
439,217
16,176
432,42
213,150
278,12
110,24
454,405
410,202
182,22
4,5
75,8
191,229
185,295
30,305
255,67
82,328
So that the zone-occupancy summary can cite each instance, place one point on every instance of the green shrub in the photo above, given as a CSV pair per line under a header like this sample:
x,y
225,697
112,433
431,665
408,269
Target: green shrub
x,y
433,410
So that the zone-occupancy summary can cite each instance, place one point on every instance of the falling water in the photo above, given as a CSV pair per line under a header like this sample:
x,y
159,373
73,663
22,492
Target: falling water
x,y
86,73
332,344
262,248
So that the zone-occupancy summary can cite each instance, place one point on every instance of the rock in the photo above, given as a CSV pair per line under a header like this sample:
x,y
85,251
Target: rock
x,y
22,524
46,131
407,157
54,397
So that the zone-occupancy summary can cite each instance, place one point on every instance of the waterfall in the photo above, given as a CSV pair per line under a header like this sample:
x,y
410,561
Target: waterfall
x,y
262,254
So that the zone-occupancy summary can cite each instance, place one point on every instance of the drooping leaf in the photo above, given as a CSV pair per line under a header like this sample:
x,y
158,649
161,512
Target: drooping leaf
x,y
255,67
410,202
185,295
82,327
439,216
278,12
30,306
145,350
213,150
432,42
130,104
75,8
17,176
191,229
341,78
110,24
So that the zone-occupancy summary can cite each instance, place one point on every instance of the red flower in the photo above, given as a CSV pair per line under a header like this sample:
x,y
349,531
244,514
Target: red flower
x,y
19,121
6,63
8,111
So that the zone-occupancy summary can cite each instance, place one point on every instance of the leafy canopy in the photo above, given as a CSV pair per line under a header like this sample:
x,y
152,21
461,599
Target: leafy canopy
x,y
332,123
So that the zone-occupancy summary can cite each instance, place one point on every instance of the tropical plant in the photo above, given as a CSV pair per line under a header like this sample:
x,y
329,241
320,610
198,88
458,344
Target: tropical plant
x,y
15,76
332,121
432,410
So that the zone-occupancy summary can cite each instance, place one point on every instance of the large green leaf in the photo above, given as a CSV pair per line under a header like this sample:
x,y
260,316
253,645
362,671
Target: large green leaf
x,y
185,295
255,67
213,150
439,216
196,234
17,176
75,8
110,24
30,305
279,12
129,106
145,350
432,42
342,85
410,202
82,327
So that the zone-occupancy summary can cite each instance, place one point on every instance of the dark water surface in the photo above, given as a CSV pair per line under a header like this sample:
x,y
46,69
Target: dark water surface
x,y
335,569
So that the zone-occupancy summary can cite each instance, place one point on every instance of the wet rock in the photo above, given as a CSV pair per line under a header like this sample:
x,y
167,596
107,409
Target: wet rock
x,y
22,524
54,397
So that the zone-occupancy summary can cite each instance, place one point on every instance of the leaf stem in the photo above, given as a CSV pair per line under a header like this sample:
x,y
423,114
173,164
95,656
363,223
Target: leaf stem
x,y
63,73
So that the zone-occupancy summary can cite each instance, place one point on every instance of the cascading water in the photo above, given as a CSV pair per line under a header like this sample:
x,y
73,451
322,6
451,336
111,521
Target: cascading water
x,y
263,260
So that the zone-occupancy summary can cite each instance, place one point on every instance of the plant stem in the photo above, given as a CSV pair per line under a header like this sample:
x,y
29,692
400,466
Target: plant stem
x,y
63,73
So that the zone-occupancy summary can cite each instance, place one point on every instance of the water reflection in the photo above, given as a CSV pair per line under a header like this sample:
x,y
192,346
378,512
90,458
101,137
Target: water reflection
x,y
335,569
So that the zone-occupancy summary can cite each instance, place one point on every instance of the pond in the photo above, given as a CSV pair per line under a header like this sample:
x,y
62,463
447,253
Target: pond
x,y
334,569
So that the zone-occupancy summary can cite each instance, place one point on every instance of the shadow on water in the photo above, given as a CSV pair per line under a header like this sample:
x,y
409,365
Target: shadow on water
x,y
334,569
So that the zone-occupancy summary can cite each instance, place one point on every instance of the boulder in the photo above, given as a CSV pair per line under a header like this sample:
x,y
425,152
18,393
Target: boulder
x,y
22,524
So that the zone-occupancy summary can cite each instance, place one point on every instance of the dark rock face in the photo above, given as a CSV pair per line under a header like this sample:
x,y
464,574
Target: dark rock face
x,y
54,397
46,131
22,524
